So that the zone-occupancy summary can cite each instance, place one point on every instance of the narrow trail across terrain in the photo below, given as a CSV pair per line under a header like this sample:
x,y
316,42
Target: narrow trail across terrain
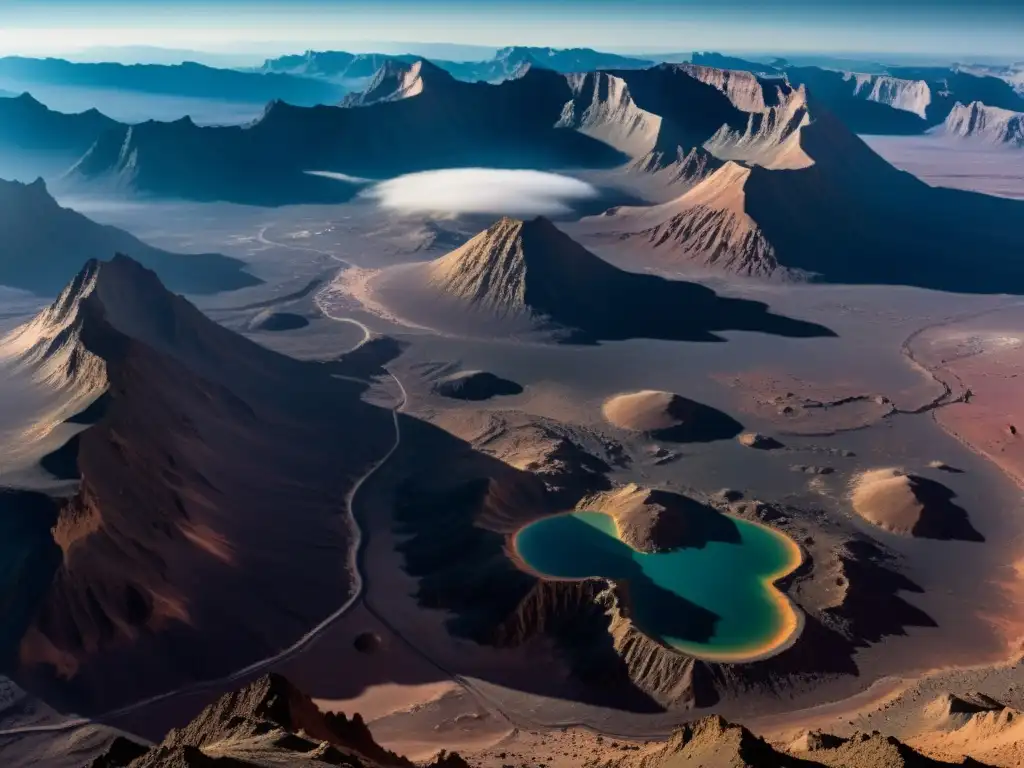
x,y
359,586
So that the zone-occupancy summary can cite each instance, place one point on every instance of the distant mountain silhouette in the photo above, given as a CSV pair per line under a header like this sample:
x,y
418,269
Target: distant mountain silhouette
x,y
881,100
26,124
449,124
723,61
336,65
41,243
355,69
865,103
908,100
188,80
565,60
950,85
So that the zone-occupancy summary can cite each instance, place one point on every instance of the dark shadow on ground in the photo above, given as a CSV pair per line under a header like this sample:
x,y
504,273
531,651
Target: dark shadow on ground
x,y
699,423
941,518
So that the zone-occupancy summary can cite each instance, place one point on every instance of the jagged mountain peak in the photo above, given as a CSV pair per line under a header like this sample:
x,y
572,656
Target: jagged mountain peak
x,y
248,728
10,190
27,99
398,79
979,121
508,265
527,237
120,292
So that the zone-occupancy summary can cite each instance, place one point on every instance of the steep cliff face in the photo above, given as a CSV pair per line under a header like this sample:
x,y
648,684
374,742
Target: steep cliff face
x,y
397,80
707,226
989,125
908,95
745,90
602,107
771,138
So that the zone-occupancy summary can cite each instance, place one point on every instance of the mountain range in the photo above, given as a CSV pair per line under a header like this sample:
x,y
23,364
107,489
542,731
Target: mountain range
x,y
799,196
40,242
270,722
444,123
355,69
531,276
185,80
749,174
26,124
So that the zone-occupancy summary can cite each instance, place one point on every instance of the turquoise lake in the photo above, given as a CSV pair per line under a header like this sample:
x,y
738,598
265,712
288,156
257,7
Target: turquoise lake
x,y
713,600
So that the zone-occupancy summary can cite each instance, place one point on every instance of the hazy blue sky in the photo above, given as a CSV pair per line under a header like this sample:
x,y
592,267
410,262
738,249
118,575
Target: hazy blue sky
x,y
993,27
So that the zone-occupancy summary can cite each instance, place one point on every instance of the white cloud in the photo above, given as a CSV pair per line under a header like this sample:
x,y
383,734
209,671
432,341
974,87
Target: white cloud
x,y
482,190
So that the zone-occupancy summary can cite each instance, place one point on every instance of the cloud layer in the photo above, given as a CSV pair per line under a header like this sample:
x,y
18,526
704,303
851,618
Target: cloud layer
x,y
482,190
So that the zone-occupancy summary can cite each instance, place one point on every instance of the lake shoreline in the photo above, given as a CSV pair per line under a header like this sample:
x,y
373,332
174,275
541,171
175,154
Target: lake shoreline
x,y
793,618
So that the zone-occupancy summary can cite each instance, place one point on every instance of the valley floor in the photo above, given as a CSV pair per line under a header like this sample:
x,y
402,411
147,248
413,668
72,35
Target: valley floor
x,y
896,376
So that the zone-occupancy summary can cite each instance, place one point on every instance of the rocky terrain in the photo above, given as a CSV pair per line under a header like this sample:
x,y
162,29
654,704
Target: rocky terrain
x,y
529,276
394,81
744,217
60,240
990,125
269,722
266,163
172,560
518,468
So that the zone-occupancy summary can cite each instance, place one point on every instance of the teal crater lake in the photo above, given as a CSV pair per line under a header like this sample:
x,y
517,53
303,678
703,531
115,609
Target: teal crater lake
x,y
716,600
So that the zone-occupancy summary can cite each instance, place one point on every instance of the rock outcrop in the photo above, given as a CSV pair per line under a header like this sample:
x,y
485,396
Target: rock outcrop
x,y
394,81
269,722
989,125
602,107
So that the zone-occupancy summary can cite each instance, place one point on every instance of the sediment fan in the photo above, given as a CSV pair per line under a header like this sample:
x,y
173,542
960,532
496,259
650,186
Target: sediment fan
x,y
531,275
175,560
